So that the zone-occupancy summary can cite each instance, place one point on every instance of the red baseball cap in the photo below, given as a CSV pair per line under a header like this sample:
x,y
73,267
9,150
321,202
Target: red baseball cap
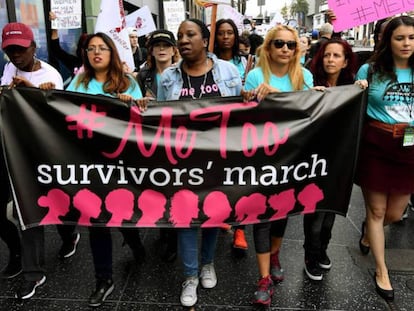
x,y
16,34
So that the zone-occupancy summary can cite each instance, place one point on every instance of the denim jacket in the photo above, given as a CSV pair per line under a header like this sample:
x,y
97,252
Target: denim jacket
x,y
225,75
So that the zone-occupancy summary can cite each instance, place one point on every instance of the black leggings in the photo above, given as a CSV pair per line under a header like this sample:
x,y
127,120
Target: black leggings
x,y
263,232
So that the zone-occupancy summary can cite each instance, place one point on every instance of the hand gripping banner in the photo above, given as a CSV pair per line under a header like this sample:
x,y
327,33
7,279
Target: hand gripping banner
x,y
94,161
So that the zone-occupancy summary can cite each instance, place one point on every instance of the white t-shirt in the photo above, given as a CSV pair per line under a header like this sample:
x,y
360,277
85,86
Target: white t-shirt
x,y
46,73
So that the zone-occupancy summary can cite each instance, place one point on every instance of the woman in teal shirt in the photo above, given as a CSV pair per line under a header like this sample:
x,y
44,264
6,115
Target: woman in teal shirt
x,y
278,70
104,75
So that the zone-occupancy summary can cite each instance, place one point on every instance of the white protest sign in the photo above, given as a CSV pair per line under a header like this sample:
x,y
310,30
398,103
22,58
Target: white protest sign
x,y
227,12
111,22
142,20
68,14
174,14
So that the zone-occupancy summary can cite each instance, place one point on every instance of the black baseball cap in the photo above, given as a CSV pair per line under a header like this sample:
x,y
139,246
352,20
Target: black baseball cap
x,y
161,35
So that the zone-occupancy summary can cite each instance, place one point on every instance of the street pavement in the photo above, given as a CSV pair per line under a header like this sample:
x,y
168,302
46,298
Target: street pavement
x,y
155,285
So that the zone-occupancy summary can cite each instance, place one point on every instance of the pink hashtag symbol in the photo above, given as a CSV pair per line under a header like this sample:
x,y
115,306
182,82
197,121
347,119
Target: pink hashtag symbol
x,y
85,121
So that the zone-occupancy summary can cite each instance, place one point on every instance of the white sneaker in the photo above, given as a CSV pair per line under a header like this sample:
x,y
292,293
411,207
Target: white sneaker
x,y
189,292
208,276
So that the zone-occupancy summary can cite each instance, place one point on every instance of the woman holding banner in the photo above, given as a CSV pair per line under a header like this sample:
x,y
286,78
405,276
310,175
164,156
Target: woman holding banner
x,y
162,53
278,70
199,74
386,160
103,74
334,64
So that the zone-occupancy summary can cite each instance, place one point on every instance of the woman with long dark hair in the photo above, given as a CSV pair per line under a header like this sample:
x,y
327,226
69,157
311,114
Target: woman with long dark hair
x,y
227,44
103,74
385,170
333,65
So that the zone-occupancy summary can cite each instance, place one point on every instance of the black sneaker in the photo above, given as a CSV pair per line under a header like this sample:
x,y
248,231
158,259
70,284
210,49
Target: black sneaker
x,y
103,289
313,271
324,261
28,289
68,249
13,268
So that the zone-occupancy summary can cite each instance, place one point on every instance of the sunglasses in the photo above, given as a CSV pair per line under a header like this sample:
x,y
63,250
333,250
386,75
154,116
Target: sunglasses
x,y
291,45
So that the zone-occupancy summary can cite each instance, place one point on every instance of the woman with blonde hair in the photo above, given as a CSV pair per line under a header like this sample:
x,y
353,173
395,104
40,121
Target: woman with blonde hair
x,y
278,70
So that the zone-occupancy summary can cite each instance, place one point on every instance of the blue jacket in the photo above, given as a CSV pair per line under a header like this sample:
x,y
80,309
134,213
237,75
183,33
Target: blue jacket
x,y
225,75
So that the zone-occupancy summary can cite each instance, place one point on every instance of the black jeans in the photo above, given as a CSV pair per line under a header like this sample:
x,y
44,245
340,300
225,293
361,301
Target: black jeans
x,y
100,240
317,228
263,232
33,249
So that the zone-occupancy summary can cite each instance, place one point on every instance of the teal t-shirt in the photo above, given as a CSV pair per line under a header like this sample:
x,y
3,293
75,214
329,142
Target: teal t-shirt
x,y
390,101
255,78
240,65
96,88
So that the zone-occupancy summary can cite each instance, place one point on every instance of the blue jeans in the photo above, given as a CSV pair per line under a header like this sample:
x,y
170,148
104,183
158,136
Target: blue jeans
x,y
188,248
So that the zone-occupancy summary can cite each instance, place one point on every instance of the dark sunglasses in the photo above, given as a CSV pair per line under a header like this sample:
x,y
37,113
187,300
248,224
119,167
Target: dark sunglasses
x,y
280,44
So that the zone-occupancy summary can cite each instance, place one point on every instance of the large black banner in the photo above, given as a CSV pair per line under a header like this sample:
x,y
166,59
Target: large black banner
x,y
92,160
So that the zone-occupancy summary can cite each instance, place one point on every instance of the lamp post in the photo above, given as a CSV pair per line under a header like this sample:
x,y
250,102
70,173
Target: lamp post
x,y
261,3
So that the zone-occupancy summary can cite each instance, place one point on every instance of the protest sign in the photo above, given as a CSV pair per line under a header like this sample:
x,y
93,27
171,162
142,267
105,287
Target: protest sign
x,y
68,14
142,20
174,14
350,13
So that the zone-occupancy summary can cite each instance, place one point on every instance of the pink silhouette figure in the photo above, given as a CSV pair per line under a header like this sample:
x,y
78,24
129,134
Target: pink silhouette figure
x,y
184,208
89,205
248,208
217,207
58,203
282,203
120,203
309,197
152,204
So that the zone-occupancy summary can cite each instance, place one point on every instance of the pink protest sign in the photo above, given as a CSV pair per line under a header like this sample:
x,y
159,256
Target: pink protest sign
x,y
350,13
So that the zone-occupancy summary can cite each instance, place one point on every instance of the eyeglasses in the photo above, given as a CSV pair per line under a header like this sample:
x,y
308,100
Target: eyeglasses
x,y
97,49
291,45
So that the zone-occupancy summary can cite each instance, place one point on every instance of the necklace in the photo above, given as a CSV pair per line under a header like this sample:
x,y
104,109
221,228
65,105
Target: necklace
x,y
202,86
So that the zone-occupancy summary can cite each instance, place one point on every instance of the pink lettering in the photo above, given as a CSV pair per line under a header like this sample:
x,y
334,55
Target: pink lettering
x,y
184,139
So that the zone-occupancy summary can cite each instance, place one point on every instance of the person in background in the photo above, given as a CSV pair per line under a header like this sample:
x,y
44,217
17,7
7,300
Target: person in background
x,y
385,170
226,47
278,70
325,34
139,54
335,64
103,74
226,44
244,46
24,69
305,44
197,71
72,62
162,53
255,41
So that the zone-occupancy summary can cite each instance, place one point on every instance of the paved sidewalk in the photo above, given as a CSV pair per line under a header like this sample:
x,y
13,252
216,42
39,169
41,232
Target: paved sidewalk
x,y
155,285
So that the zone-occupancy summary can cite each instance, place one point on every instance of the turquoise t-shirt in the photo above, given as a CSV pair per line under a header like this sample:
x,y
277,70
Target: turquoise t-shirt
x,y
96,88
255,78
240,65
390,101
